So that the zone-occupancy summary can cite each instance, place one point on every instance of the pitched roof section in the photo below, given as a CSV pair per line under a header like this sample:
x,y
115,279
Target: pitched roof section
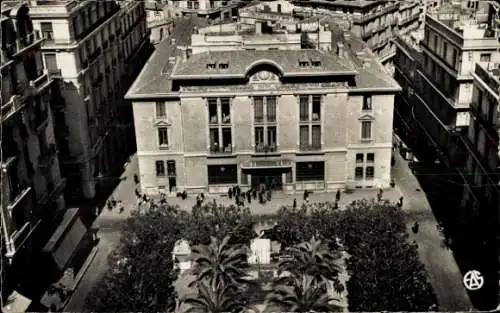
x,y
241,61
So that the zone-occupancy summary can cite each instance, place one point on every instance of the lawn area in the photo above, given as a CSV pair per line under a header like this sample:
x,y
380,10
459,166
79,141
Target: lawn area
x,y
357,259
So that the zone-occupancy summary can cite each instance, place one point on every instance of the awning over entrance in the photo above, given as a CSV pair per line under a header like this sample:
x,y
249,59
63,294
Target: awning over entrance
x,y
66,238
255,166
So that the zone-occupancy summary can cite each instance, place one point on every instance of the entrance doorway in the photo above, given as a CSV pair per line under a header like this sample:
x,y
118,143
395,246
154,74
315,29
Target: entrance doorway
x,y
172,184
269,182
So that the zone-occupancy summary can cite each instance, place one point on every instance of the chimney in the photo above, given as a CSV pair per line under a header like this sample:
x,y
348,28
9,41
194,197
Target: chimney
x,y
258,28
340,49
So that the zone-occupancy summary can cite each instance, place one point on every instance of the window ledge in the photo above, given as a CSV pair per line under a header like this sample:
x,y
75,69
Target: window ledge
x,y
366,140
164,147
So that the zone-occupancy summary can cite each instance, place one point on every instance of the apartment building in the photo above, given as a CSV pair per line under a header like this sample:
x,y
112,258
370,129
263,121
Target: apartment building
x,y
95,47
213,116
31,182
480,208
376,22
437,79
159,18
203,8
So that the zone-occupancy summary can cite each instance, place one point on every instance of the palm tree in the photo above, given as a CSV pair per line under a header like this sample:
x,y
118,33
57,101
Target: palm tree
x,y
301,294
222,298
313,259
220,262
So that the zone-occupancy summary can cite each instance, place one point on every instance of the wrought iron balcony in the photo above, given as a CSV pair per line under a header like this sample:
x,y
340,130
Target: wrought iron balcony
x,y
14,105
23,43
47,156
308,147
260,148
216,149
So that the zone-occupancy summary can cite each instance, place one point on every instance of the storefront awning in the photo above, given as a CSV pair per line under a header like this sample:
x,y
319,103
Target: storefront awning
x,y
282,165
66,238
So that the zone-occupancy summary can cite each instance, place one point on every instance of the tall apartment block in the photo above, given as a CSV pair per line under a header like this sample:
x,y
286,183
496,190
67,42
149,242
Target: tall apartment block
x,y
376,22
438,85
95,47
480,209
31,183
209,117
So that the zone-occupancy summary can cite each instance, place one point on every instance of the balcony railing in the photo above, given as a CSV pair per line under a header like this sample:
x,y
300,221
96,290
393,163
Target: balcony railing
x,y
261,148
308,147
46,156
14,105
22,43
216,149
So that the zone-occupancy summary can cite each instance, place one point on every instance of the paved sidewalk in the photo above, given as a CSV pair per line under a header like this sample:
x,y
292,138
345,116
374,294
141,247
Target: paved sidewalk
x,y
439,260
109,223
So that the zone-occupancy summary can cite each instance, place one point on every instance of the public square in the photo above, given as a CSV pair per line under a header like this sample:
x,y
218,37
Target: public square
x,y
444,273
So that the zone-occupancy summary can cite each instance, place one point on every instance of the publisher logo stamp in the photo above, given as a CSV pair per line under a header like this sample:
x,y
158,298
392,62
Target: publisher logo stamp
x,y
473,280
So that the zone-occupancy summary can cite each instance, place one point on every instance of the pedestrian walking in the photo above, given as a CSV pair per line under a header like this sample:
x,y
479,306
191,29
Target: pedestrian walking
x,y
255,194
202,196
415,227
113,201
306,194
400,202
230,193
337,195
380,193
136,179
137,193
249,197
294,203
109,204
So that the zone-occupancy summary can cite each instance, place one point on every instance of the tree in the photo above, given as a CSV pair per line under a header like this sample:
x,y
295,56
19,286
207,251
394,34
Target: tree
x,y
141,271
300,294
219,263
224,297
313,259
219,221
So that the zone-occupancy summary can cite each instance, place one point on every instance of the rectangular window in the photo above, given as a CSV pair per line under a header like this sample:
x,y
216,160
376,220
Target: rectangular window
x,y
304,108
358,173
445,50
160,168
485,57
360,158
225,104
454,58
163,136
271,108
259,139
47,31
222,174
214,140
161,110
171,168
370,172
316,108
316,137
51,62
435,43
367,103
271,138
310,171
227,142
304,137
370,157
212,111
258,103
366,130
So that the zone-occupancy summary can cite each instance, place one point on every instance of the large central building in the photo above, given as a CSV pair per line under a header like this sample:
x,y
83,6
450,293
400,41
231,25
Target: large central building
x,y
217,116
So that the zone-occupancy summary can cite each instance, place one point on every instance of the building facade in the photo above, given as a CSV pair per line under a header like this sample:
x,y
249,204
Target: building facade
x,y
480,209
203,8
437,80
159,18
376,22
291,120
95,47
31,183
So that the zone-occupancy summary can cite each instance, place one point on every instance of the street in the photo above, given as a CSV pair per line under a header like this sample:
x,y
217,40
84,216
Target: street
x,y
445,275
